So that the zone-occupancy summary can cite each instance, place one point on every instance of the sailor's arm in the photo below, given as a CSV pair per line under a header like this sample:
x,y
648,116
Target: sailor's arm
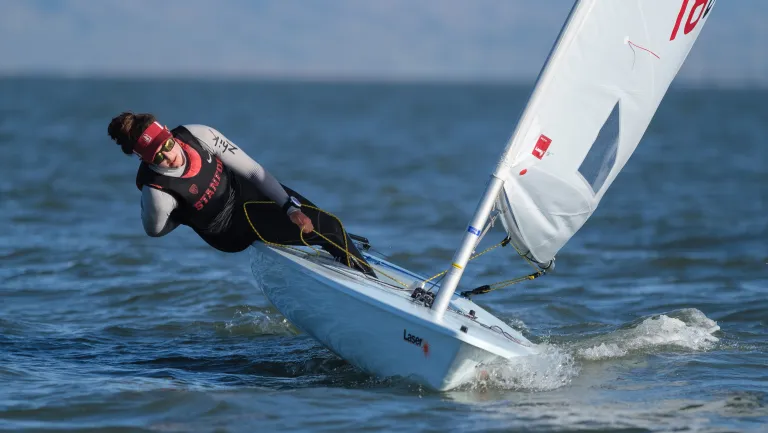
x,y
156,208
240,163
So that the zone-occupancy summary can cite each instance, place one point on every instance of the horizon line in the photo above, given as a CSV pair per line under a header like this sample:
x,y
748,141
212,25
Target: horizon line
x,y
340,78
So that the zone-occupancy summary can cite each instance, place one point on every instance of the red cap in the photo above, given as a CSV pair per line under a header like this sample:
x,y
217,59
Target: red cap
x,y
150,140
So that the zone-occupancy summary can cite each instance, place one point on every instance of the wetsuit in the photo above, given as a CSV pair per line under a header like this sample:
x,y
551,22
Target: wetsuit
x,y
208,191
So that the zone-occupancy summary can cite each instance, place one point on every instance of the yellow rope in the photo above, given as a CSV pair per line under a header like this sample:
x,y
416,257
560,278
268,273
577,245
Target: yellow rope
x,y
317,251
250,223
524,257
470,259
502,284
505,283
494,286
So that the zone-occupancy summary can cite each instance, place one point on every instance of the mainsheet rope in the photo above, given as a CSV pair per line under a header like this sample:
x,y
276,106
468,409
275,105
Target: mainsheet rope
x,y
350,257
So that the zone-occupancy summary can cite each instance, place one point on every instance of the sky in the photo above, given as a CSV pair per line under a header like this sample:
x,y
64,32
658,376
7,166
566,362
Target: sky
x,y
467,40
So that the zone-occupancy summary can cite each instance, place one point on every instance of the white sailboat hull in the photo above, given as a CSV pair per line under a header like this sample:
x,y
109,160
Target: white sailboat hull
x,y
377,327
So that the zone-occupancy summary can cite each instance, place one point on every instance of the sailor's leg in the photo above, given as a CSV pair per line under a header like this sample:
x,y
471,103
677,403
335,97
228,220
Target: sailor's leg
x,y
272,225
332,229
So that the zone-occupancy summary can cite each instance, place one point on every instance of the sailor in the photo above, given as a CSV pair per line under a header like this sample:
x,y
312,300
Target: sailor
x,y
195,176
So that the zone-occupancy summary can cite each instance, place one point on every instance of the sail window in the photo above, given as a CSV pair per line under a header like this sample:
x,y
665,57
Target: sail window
x,y
602,155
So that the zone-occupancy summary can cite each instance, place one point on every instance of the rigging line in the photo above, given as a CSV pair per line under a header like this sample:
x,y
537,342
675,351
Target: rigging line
x,y
495,328
470,259
317,251
487,288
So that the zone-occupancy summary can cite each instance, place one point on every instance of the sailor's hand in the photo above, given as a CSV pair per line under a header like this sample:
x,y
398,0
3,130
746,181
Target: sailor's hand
x,y
302,221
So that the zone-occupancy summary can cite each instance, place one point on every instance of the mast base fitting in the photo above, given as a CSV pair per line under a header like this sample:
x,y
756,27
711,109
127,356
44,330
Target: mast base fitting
x,y
424,297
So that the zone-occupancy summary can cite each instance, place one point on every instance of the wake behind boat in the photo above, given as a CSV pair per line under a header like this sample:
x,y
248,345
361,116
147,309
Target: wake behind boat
x,y
593,101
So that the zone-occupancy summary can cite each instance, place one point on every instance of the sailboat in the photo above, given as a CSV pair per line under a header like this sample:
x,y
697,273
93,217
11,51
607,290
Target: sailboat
x,y
592,102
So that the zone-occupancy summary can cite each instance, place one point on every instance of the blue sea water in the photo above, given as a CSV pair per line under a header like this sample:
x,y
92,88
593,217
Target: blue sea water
x,y
655,320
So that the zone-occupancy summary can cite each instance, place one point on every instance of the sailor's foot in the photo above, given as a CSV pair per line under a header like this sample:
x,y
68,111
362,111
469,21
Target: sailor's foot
x,y
366,269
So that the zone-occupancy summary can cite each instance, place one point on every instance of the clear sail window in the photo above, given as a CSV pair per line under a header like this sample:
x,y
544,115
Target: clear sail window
x,y
602,155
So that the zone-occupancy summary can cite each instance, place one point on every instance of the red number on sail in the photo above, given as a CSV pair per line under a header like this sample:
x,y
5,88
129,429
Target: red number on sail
x,y
693,17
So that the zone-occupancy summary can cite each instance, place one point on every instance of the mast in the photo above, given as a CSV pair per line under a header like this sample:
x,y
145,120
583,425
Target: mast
x,y
466,248
469,241
599,89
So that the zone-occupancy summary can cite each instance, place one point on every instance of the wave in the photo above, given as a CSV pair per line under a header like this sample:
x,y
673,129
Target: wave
x,y
558,364
248,321
687,329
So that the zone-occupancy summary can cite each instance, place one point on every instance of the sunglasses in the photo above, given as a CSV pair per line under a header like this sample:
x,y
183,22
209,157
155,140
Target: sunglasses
x,y
166,147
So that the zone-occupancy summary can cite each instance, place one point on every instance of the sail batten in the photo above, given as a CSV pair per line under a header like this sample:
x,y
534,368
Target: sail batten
x,y
594,99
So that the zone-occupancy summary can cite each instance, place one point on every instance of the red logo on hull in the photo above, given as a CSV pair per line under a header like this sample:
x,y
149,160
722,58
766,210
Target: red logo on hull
x,y
541,146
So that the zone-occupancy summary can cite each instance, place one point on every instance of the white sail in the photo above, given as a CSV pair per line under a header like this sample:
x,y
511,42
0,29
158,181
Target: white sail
x,y
592,103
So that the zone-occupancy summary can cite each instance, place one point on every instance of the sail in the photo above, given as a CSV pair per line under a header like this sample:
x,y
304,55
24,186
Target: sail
x,y
593,101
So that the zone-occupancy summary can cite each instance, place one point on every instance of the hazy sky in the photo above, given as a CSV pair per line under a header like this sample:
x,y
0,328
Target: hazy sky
x,y
381,39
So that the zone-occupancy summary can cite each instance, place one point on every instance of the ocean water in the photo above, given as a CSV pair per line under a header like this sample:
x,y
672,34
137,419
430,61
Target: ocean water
x,y
656,319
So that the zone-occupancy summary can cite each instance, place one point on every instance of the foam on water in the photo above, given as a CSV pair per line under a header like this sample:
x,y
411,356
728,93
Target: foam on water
x,y
683,329
556,365
248,321
550,369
